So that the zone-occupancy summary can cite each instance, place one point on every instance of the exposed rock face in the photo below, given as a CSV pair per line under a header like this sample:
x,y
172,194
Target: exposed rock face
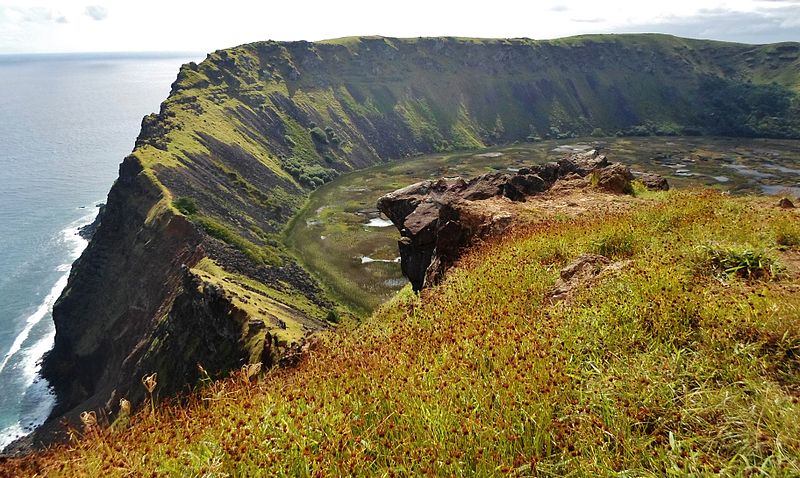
x,y
439,219
654,182
90,356
87,231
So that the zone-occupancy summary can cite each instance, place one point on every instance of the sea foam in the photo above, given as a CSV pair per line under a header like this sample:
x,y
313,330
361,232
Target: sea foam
x,y
38,394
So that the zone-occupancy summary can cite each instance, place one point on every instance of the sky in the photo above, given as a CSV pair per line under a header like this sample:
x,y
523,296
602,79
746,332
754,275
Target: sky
x,y
54,26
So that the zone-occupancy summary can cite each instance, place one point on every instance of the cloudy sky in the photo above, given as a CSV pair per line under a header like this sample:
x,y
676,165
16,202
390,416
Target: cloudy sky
x,y
173,25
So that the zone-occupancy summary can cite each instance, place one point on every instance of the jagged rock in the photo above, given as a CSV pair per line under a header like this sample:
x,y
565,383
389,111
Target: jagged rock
x,y
615,178
589,161
439,219
484,187
654,182
582,264
786,203
522,185
88,230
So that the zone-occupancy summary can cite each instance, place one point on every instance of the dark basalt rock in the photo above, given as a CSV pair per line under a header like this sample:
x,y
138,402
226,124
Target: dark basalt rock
x,y
439,219
654,182
87,231
486,186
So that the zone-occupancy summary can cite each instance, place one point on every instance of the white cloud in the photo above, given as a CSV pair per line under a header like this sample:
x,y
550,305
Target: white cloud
x,y
35,14
96,12
779,22
203,26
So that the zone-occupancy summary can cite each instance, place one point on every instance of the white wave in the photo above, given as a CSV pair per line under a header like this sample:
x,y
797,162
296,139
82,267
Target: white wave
x,y
32,355
11,433
33,319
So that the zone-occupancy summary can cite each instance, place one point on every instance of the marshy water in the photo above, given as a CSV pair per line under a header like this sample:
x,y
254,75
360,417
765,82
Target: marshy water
x,y
353,249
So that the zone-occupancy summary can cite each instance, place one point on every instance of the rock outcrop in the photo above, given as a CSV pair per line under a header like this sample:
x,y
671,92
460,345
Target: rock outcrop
x,y
439,219
87,231
654,182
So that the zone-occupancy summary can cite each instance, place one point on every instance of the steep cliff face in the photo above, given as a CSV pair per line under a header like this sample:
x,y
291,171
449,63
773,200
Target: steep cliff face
x,y
188,261
117,290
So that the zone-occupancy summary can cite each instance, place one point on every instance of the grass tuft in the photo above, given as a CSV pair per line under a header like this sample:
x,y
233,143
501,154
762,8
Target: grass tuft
x,y
747,262
787,233
617,243
186,205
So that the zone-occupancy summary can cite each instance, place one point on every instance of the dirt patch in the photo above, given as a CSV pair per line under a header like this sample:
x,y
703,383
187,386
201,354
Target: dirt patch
x,y
585,270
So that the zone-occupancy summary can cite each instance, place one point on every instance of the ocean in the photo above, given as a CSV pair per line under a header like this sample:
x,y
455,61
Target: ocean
x,y
66,122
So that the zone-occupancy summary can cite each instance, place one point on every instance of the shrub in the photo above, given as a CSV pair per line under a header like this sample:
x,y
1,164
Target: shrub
x,y
332,316
788,234
186,205
319,135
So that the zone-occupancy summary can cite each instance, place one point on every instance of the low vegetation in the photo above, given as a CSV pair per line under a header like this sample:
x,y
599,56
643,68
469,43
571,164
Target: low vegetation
x,y
742,261
657,368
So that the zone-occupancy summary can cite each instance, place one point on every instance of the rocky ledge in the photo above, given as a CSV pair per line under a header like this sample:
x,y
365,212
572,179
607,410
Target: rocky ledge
x,y
439,219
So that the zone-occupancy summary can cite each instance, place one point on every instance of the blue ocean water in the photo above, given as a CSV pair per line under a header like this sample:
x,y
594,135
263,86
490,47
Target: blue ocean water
x,y
66,122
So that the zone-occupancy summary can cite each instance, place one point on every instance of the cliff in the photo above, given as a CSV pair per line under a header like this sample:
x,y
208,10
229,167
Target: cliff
x,y
187,265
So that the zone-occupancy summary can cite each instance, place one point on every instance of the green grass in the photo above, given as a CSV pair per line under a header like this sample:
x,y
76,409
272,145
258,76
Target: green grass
x,y
186,205
788,233
740,260
617,243
652,371
259,254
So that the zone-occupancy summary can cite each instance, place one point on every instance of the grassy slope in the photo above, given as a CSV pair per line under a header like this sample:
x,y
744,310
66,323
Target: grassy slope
x,y
661,368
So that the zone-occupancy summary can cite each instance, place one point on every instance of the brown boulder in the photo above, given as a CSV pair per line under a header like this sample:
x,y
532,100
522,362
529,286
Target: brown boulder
x,y
615,178
654,182
485,187
786,203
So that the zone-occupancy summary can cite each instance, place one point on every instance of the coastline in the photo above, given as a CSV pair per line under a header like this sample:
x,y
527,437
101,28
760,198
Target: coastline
x,y
26,352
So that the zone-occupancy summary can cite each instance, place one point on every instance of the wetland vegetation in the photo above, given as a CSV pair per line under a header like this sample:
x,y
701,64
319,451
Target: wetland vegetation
x,y
341,236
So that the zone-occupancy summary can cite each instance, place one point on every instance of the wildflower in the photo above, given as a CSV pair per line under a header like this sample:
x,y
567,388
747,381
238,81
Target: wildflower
x,y
250,370
89,420
203,371
150,382
124,407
